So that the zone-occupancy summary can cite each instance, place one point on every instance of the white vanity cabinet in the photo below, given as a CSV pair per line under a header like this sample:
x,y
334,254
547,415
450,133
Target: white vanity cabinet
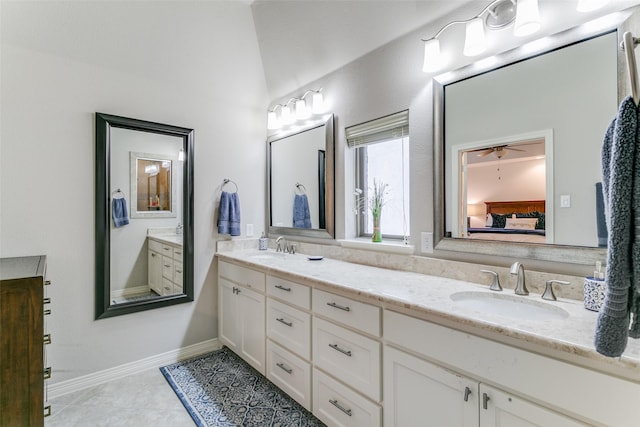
x,y
289,338
241,311
421,361
347,361
164,267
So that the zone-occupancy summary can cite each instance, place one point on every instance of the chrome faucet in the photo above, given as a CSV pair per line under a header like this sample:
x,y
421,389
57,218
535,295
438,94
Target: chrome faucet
x,y
521,287
279,247
179,228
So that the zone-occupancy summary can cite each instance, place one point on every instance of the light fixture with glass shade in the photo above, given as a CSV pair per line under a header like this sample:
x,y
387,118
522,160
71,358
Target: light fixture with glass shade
x,y
301,111
496,16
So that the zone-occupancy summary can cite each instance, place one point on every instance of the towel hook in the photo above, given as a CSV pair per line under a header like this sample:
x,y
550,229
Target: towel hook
x,y
227,180
118,191
303,190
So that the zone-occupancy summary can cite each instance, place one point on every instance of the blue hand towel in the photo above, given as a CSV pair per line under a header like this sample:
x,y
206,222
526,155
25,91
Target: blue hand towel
x,y
119,212
621,189
229,214
301,215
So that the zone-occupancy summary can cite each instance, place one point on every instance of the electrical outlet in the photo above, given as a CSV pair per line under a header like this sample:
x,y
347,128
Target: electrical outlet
x,y
426,242
249,230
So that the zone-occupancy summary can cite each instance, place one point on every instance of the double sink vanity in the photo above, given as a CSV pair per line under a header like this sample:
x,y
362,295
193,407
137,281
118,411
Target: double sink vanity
x,y
360,345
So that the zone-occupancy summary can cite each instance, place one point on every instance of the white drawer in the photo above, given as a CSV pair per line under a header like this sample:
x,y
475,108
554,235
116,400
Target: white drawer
x,y
155,246
167,268
337,405
348,356
177,272
290,327
352,313
167,286
242,276
290,373
291,292
177,289
167,250
177,253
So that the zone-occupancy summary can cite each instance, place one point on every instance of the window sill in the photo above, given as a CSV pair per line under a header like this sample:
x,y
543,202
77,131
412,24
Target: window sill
x,y
395,247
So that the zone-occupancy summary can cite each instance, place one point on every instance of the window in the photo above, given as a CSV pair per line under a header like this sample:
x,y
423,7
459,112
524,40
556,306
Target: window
x,y
382,154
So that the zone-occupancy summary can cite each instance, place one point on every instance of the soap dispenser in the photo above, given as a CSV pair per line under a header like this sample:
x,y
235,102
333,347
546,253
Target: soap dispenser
x,y
263,242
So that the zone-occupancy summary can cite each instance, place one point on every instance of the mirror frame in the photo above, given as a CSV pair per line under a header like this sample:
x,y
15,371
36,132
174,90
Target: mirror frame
x,y
581,255
329,231
104,123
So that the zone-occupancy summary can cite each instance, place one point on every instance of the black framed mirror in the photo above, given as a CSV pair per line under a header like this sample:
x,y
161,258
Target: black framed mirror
x,y
143,215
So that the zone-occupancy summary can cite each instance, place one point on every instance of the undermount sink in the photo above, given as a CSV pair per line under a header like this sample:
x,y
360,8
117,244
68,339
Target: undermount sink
x,y
512,306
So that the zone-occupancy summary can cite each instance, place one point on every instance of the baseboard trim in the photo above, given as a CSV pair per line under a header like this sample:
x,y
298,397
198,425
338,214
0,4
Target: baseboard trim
x,y
76,384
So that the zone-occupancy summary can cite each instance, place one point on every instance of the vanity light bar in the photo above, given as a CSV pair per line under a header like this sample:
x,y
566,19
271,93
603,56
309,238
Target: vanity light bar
x,y
301,112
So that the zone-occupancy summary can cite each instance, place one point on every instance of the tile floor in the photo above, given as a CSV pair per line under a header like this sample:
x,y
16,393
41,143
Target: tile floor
x,y
140,400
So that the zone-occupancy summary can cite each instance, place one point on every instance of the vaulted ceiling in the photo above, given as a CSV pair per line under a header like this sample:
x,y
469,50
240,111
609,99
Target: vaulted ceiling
x,y
303,40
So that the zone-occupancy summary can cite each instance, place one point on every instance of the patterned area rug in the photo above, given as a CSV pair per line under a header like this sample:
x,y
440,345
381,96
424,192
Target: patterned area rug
x,y
220,389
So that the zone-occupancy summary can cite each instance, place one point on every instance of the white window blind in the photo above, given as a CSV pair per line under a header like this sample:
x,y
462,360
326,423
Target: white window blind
x,y
385,128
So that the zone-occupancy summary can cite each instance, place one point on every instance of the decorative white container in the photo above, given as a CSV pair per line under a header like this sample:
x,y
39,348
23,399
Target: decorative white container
x,y
594,291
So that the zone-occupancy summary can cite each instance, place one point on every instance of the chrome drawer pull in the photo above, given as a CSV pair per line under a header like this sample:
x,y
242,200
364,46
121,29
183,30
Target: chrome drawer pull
x,y
47,282
47,339
467,392
284,368
179,271
46,301
340,307
47,312
177,253
166,249
283,288
47,373
485,401
339,406
284,322
337,348
47,411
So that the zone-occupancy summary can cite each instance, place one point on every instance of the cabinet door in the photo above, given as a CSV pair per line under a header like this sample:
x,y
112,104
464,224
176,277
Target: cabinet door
x,y
228,314
419,393
155,272
498,408
251,314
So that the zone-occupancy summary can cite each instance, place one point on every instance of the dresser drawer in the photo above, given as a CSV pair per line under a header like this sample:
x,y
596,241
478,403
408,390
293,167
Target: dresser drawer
x,y
352,358
242,276
290,327
155,246
291,292
167,267
290,373
167,286
337,405
177,273
352,313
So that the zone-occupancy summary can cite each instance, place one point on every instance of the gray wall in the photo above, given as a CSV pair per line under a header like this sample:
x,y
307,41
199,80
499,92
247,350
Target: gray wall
x,y
191,64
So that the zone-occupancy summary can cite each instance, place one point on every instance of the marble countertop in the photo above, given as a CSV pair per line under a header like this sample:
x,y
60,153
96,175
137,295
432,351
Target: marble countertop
x,y
429,297
173,239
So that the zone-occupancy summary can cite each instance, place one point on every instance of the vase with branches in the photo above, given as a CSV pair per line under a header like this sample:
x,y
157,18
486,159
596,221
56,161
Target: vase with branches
x,y
375,202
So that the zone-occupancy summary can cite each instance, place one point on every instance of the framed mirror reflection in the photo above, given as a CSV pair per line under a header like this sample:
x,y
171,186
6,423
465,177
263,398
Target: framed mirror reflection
x,y
301,181
517,151
144,239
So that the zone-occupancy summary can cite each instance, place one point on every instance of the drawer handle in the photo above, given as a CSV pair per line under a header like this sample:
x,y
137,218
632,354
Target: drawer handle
x,y
335,403
47,312
153,254
47,373
236,290
47,339
166,249
167,265
47,282
46,301
284,322
179,271
284,368
283,288
339,307
341,350
467,392
177,253
485,400
47,411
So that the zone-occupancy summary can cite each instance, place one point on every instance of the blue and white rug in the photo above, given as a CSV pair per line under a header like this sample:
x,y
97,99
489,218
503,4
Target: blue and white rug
x,y
220,389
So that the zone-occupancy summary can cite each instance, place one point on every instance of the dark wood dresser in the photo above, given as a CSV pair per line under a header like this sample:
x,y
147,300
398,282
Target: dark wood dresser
x,y
22,340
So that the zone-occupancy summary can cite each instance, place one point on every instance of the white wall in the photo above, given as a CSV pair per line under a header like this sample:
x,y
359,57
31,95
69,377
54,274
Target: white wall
x,y
191,64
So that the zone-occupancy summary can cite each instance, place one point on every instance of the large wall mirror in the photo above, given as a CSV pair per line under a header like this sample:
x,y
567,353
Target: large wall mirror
x,y
517,151
144,215
301,181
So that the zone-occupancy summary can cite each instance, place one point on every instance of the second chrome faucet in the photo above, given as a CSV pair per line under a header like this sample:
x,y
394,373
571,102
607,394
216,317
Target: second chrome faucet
x,y
521,286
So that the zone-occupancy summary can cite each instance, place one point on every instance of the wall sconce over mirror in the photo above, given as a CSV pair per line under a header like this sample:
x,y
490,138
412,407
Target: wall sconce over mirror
x,y
301,111
523,14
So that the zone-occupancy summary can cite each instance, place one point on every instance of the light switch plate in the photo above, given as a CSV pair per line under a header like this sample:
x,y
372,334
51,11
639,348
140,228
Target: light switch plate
x,y
565,201
426,242
249,230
